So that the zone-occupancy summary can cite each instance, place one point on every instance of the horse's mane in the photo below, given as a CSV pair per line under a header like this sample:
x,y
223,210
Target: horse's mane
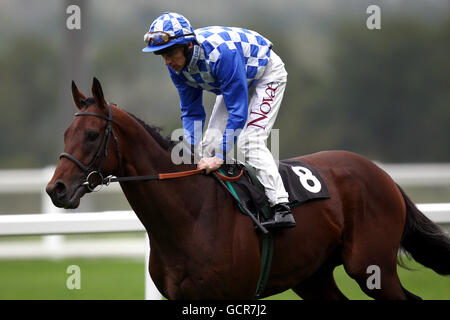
x,y
166,143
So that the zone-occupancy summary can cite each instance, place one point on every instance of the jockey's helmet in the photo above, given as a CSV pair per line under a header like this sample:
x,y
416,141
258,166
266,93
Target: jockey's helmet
x,y
168,30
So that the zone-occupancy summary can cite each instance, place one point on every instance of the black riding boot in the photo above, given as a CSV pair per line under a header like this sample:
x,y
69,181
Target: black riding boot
x,y
282,217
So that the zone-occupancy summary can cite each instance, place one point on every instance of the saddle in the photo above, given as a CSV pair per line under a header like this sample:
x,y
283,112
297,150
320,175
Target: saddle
x,y
301,181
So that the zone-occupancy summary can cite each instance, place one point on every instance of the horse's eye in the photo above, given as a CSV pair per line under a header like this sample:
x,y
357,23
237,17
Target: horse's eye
x,y
91,135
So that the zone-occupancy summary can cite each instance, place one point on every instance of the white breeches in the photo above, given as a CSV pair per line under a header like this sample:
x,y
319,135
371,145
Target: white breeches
x,y
265,98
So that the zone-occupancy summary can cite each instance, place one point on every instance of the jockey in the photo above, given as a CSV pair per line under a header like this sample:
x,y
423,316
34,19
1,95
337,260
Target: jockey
x,y
249,79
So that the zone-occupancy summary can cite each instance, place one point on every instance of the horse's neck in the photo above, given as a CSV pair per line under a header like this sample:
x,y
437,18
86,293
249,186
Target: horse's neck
x,y
141,153
159,205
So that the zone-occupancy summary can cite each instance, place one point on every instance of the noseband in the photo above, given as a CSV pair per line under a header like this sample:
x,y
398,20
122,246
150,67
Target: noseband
x,y
101,153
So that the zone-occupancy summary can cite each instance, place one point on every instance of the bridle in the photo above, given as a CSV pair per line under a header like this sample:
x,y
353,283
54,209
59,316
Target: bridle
x,y
101,153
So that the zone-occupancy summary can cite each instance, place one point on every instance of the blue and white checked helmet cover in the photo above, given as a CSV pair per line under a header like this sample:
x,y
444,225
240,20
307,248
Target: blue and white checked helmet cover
x,y
174,24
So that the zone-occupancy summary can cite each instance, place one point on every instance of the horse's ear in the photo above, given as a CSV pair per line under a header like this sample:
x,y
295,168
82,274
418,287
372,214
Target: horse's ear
x,y
97,92
78,97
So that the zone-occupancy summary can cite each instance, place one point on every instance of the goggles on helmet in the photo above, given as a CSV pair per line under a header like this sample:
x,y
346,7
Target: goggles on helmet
x,y
161,37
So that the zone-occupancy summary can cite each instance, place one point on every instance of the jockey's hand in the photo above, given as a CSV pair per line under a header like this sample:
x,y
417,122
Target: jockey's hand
x,y
210,164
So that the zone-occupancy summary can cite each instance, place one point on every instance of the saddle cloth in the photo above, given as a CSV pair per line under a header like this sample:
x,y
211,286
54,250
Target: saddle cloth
x,y
302,182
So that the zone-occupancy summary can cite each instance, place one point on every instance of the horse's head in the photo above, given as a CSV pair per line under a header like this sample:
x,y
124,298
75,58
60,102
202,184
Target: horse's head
x,y
89,151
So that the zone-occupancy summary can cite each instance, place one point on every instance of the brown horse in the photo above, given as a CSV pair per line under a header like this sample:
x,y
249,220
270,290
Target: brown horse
x,y
202,247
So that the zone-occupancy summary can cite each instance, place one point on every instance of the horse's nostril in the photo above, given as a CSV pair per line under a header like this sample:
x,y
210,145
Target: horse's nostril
x,y
60,189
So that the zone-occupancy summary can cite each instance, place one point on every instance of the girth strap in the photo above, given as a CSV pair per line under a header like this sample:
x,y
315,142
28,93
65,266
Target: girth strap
x,y
266,264
267,239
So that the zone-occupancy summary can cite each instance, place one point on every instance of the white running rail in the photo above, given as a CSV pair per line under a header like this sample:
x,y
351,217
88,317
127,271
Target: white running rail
x,y
126,221
53,223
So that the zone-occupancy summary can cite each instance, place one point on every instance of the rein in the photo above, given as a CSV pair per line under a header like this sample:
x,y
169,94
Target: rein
x,y
102,153
100,156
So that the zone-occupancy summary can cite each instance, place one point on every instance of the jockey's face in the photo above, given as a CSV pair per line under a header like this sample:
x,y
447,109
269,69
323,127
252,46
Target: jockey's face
x,y
175,59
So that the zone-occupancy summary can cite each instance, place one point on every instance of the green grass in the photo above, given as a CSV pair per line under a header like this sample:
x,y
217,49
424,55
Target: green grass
x,y
44,279
422,282
124,279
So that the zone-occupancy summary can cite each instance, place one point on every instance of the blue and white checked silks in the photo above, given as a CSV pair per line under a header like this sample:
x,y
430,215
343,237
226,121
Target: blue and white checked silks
x,y
226,61
252,47
229,61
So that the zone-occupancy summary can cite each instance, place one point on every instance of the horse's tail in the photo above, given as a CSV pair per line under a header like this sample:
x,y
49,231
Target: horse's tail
x,y
424,240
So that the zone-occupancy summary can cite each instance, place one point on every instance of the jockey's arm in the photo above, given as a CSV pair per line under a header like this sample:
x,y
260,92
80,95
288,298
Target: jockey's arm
x,y
230,71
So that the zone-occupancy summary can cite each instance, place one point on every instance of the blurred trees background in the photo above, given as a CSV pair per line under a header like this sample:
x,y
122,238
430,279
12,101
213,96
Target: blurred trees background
x,y
386,94
381,93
